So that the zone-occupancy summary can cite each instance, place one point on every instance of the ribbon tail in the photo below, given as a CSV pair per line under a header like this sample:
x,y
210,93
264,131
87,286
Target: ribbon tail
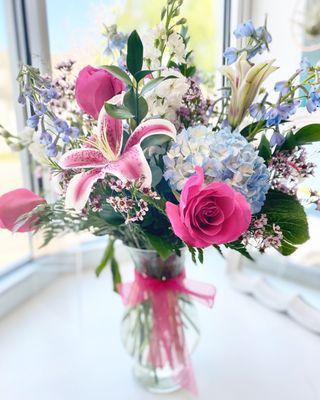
x,y
202,292
186,378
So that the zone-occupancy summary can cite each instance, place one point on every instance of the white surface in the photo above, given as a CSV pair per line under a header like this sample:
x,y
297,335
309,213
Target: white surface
x,y
64,344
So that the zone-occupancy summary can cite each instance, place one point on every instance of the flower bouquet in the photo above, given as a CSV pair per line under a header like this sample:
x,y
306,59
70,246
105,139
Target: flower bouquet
x,y
137,153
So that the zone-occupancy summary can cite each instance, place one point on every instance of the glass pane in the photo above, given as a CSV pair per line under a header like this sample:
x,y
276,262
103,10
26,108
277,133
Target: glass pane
x,y
77,32
13,248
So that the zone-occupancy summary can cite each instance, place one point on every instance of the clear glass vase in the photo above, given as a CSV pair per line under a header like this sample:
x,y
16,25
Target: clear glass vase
x,y
160,331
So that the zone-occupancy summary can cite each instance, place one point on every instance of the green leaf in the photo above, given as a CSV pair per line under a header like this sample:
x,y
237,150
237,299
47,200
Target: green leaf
x,y
130,101
119,73
190,71
157,174
251,130
286,248
116,276
134,53
109,215
137,106
142,74
155,140
142,109
218,250
306,135
193,254
163,248
119,112
285,211
200,255
264,148
107,256
240,248
153,83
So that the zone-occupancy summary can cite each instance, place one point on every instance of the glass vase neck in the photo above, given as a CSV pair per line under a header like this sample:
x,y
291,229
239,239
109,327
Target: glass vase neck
x,y
148,262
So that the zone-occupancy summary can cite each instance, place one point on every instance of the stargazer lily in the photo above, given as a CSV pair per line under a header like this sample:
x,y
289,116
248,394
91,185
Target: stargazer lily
x,y
104,155
245,80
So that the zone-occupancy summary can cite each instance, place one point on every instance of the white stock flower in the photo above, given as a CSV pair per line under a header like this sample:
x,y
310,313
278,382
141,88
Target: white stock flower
x,y
176,46
167,97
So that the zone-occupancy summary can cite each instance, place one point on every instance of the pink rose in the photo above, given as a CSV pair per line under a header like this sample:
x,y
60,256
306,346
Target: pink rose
x,y
16,203
206,215
95,86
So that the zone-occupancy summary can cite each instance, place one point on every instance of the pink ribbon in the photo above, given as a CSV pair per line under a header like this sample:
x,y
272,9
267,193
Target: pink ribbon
x,y
167,343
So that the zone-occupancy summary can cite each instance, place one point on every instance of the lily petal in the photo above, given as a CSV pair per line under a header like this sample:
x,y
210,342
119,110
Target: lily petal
x,y
131,166
149,128
82,158
110,133
110,130
79,188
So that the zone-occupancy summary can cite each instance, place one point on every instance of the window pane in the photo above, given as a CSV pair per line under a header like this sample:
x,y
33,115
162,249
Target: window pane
x,y
13,248
77,32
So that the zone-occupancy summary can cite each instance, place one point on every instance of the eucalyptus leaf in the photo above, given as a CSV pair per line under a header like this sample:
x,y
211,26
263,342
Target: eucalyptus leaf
x,y
119,73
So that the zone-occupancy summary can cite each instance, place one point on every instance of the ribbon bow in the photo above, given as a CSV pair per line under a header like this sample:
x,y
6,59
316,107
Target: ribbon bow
x,y
167,340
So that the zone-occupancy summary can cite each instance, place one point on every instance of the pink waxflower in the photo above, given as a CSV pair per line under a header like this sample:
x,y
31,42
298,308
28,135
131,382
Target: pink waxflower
x,y
16,203
95,86
207,215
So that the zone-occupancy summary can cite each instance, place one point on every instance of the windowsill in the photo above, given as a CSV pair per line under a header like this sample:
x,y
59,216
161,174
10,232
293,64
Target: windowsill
x,y
17,285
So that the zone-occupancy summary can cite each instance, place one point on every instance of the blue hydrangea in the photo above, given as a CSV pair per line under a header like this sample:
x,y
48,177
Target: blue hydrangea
x,y
225,156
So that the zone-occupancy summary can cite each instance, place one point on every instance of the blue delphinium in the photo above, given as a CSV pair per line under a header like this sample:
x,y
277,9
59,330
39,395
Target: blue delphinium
x,y
33,121
257,41
231,55
245,29
313,101
281,112
225,156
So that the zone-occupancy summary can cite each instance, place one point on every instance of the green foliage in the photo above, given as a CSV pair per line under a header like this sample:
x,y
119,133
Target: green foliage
x,y
251,130
142,74
265,149
106,258
306,135
134,53
240,248
196,253
163,248
218,250
119,73
153,83
109,258
116,276
118,111
288,213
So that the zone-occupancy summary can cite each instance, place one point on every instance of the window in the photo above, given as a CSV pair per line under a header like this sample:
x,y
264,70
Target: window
x,y
14,249
77,32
